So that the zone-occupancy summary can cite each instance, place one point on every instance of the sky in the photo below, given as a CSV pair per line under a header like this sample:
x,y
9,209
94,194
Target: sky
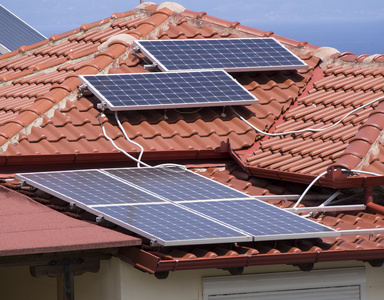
x,y
347,25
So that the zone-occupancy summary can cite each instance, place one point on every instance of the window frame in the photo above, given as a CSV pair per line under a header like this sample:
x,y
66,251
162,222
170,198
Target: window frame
x,y
243,284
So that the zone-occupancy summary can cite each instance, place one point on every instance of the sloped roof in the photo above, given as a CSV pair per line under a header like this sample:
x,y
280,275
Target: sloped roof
x,y
42,115
15,32
302,253
44,118
28,227
42,112
354,143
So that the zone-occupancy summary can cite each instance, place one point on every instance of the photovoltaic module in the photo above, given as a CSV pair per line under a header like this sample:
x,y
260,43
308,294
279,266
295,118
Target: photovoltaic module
x,y
232,55
167,90
173,206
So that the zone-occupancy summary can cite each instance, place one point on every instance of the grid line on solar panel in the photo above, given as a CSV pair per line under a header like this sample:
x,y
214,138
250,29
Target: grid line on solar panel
x,y
88,187
167,90
260,219
132,198
175,184
240,54
169,224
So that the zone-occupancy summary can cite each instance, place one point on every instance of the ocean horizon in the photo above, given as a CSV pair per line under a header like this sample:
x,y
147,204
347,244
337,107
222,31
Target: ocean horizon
x,y
363,37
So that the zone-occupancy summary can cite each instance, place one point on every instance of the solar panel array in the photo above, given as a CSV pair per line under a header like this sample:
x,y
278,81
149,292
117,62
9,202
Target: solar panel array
x,y
232,55
172,206
167,90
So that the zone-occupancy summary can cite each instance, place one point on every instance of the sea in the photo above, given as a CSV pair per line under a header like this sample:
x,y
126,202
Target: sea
x,y
363,37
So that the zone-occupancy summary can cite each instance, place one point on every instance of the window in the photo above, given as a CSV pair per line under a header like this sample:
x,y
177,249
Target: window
x,y
340,284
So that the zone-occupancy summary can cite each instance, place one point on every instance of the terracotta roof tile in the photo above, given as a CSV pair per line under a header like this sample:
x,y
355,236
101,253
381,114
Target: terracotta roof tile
x,y
43,113
342,90
273,252
204,131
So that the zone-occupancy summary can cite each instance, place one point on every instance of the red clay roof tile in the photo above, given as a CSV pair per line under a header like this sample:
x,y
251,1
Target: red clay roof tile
x,y
75,128
330,94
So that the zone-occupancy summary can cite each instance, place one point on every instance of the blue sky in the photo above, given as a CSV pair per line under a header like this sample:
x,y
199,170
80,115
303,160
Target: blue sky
x,y
353,26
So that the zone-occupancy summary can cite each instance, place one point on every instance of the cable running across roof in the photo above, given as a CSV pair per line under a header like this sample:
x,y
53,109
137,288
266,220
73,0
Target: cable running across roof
x,y
321,175
305,129
210,209
118,148
129,140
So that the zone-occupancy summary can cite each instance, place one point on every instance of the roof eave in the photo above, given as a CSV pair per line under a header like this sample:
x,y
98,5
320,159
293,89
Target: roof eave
x,y
151,263
75,160
129,242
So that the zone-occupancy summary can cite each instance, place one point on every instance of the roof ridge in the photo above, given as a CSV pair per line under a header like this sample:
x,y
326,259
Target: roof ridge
x,y
369,137
56,98
140,10
227,27
103,58
348,59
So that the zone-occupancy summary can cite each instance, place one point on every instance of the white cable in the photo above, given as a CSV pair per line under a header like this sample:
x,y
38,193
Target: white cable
x,y
169,167
322,174
308,187
138,160
306,129
121,150
364,172
129,140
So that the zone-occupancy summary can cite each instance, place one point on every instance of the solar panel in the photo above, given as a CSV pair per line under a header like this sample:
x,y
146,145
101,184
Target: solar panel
x,y
176,184
88,187
174,206
261,220
167,90
169,225
232,55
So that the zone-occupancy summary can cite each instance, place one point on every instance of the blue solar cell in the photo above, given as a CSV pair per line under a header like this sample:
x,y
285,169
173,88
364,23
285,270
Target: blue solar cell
x,y
262,220
167,90
168,224
175,184
174,206
87,187
232,55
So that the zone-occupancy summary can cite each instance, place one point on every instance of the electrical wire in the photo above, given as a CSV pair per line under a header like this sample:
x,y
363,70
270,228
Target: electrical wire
x,y
364,172
172,167
313,130
308,188
322,174
114,144
129,140
168,166
306,129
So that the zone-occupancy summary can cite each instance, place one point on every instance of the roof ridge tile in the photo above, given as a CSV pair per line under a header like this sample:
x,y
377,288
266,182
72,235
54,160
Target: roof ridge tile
x,y
378,58
88,26
122,14
24,49
192,14
56,37
127,22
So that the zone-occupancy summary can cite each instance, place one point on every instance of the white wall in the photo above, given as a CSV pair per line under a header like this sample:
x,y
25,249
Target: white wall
x,y
375,283
187,285
117,280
